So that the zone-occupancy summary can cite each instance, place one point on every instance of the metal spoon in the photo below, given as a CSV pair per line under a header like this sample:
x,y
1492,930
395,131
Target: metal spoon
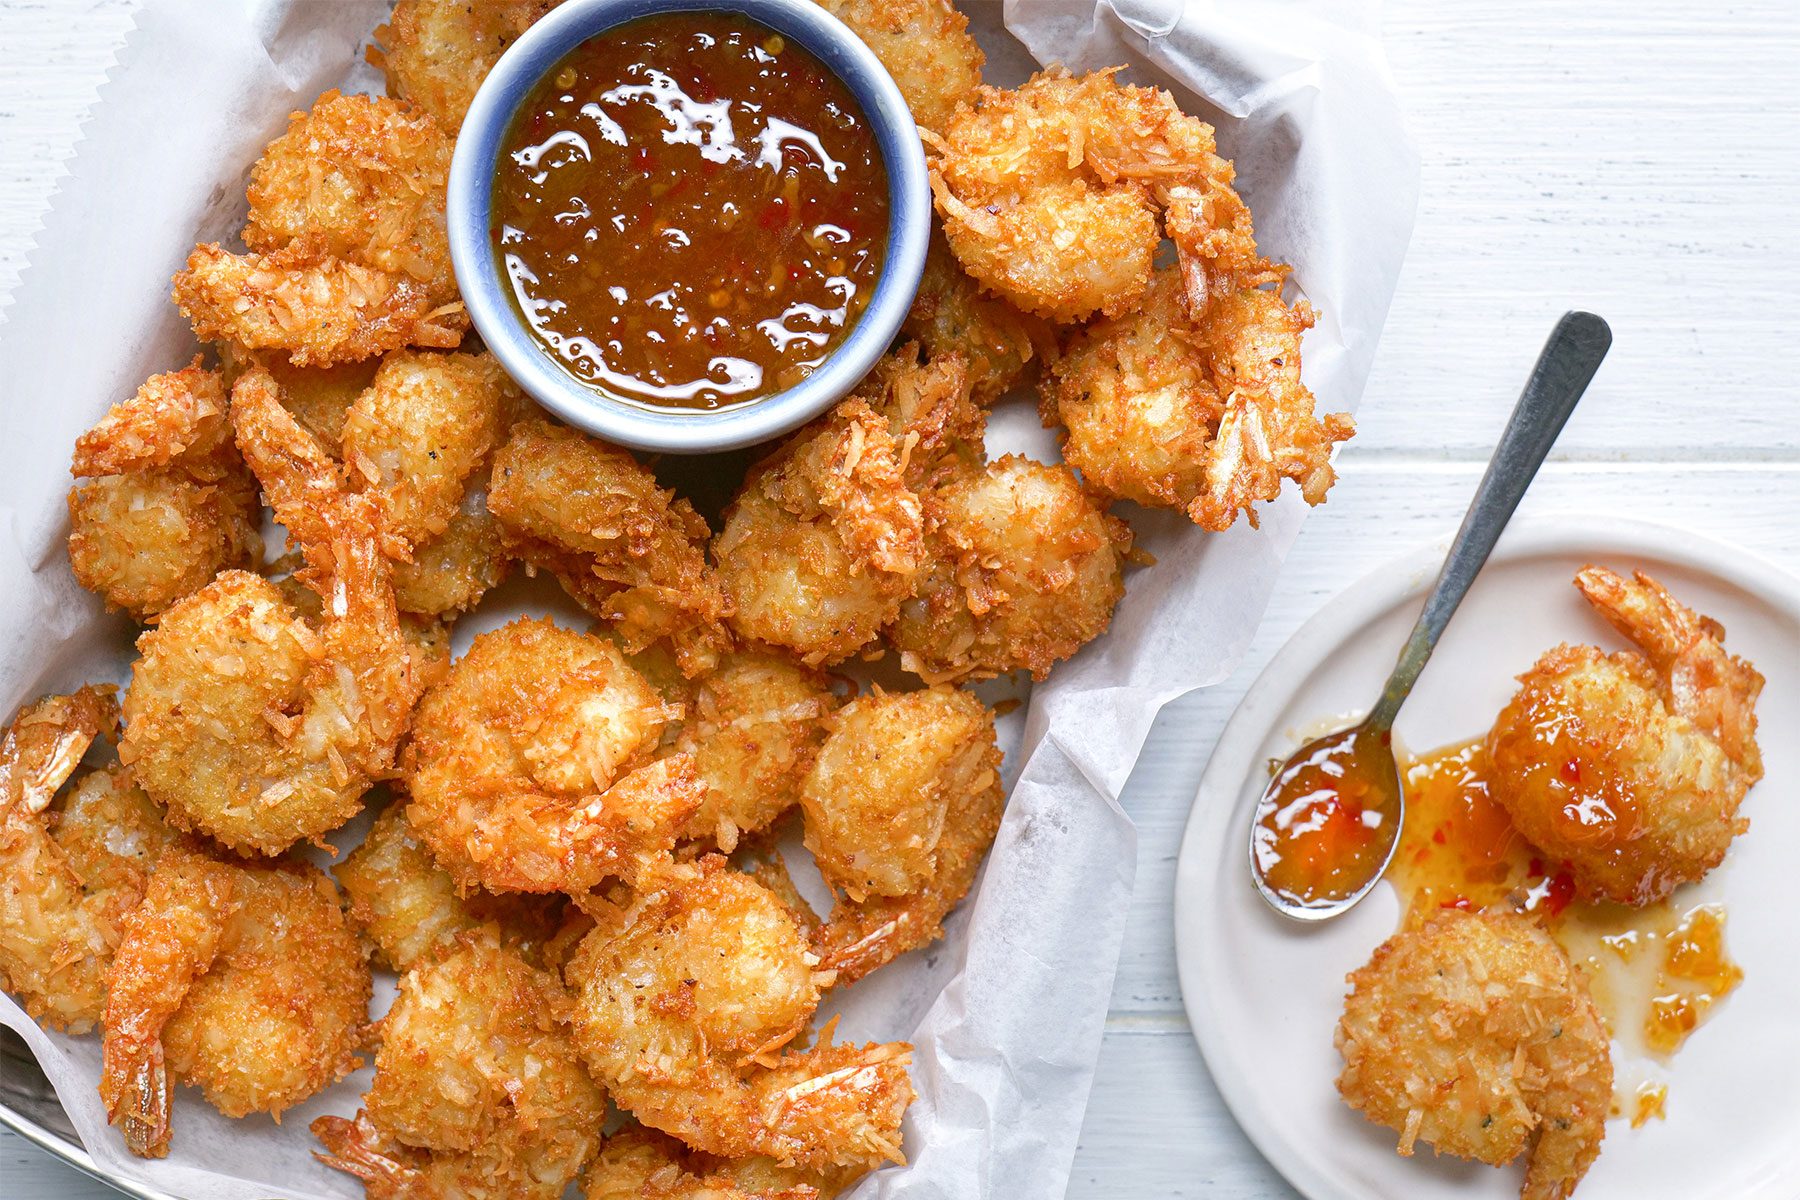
x,y
1362,755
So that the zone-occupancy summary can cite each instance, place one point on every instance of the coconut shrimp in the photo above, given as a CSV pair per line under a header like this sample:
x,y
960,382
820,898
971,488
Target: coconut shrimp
x,y
1475,1035
1024,569
531,768
435,53
1050,195
641,1164
244,720
478,1091
930,411
73,862
319,397
167,503
630,551
901,806
684,997
1630,767
1209,417
925,45
951,314
242,979
822,544
752,726
411,909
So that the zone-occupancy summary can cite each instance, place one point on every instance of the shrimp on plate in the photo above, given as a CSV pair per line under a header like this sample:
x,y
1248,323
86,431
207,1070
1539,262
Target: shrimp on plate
x,y
900,807
348,256
642,1164
167,503
74,861
925,45
951,314
410,908
1629,767
242,979
533,768
435,53
1023,569
478,1091
1475,1035
823,541
685,996
1206,416
1050,196
630,551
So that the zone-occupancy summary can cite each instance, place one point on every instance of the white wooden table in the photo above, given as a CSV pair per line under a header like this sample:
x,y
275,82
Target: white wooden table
x,y
1633,157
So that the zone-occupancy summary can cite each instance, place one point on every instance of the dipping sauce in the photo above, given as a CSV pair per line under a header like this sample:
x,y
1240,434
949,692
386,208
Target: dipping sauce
x,y
691,211
1323,827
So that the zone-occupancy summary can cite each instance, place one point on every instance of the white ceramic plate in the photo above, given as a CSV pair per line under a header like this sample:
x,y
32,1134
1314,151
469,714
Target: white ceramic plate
x,y
1264,994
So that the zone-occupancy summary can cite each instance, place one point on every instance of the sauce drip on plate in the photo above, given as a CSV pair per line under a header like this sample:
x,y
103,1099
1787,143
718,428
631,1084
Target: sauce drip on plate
x,y
691,211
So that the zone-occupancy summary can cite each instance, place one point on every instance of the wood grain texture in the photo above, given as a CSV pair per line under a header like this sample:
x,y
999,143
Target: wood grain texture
x,y
1634,157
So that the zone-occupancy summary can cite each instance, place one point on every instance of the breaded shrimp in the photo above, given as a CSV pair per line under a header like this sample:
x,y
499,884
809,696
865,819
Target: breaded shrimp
x,y
901,806
1050,195
478,1091
530,768
930,411
241,979
451,572
822,544
951,314
410,908
1475,1035
319,397
435,53
753,725
1024,568
168,503
630,551
925,45
1629,768
684,997
642,1164
72,863
1208,417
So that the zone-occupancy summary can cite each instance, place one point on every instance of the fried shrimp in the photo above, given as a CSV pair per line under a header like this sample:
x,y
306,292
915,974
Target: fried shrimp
x,y
1024,568
410,908
73,862
901,805
950,314
1476,1036
925,45
435,53
1630,767
630,551
822,544
241,979
1208,417
685,996
531,767
1050,195
167,503
753,726
478,1091
930,411
641,1164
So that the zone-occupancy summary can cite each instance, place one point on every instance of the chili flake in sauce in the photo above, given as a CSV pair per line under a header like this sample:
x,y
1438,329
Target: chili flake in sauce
x,y
691,211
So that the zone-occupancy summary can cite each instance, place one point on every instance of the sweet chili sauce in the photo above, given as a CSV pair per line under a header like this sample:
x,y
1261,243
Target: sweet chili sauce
x,y
691,211
1324,825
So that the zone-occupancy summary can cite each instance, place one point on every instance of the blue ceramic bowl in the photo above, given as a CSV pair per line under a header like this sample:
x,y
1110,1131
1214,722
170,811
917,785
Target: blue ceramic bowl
x,y
472,171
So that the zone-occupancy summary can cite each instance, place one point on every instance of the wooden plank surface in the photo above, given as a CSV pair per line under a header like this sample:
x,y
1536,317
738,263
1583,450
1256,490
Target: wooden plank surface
x,y
1632,157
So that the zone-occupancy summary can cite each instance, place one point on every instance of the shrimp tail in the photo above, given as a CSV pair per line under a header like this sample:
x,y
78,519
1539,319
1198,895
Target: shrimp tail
x,y
357,1148
141,1108
46,743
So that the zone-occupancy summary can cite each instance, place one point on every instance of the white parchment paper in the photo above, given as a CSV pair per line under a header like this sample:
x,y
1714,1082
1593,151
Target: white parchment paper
x,y
1007,1011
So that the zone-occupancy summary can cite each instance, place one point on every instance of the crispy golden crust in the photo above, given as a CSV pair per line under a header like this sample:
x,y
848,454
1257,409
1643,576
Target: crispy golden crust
x,y
1209,417
823,542
1024,568
243,980
642,1164
477,1092
1629,768
950,314
931,413
1050,196
685,995
1475,1035
167,503
630,551
451,572
529,767
436,52
925,45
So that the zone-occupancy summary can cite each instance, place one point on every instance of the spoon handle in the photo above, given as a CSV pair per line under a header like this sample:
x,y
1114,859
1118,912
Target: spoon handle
x,y
1569,360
